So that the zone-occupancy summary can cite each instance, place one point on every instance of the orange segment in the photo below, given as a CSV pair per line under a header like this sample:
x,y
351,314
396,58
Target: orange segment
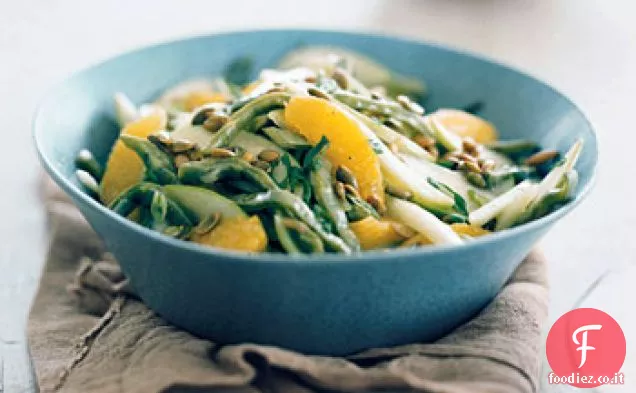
x,y
470,230
236,233
124,167
465,124
314,117
373,233
195,99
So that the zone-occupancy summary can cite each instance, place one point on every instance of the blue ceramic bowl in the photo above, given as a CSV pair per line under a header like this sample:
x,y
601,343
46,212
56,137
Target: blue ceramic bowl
x,y
329,304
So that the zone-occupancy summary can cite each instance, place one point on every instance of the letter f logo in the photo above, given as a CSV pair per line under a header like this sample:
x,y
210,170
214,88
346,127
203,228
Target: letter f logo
x,y
583,344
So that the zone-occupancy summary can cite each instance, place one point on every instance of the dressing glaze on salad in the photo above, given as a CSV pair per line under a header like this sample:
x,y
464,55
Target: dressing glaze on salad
x,y
330,152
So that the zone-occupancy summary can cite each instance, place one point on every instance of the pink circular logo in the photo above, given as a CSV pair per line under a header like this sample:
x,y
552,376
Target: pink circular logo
x,y
586,348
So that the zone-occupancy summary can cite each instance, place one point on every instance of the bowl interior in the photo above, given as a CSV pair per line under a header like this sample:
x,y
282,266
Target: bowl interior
x,y
79,113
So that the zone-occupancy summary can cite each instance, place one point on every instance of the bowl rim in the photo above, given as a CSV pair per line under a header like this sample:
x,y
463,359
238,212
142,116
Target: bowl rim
x,y
376,256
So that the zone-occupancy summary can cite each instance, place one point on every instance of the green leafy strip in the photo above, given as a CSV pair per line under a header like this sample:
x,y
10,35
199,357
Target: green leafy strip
x,y
460,202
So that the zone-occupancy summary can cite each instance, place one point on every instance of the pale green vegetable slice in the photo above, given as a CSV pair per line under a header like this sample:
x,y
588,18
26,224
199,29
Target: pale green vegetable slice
x,y
453,179
448,139
493,208
421,221
556,174
389,136
195,134
202,202
369,72
510,215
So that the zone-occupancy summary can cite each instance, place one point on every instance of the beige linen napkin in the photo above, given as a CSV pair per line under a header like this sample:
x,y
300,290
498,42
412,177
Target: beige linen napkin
x,y
87,333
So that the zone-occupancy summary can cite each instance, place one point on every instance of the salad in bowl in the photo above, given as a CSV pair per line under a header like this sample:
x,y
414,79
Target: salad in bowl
x,y
329,152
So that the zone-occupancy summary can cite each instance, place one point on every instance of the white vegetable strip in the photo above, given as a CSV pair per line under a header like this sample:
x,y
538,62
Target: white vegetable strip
x,y
388,136
125,110
493,208
519,206
453,179
448,139
422,221
556,174
195,134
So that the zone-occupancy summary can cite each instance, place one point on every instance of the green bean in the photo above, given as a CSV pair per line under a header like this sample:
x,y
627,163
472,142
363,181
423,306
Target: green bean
x,y
131,198
284,237
243,118
87,162
212,170
164,212
284,227
291,203
159,164
208,172
321,181
382,108
364,103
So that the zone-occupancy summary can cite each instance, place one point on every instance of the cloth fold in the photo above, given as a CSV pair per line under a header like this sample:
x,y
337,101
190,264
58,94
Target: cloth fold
x,y
88,333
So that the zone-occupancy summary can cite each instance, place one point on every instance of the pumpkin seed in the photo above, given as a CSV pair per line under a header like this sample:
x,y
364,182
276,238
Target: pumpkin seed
x,y
469,146
476,179
341,79
377,204
268,155
316,92
247,156
345,175
264,165
208,224
181,159
219,152
340,190
541,157
349,189
398,192
473,166
424,141
215,121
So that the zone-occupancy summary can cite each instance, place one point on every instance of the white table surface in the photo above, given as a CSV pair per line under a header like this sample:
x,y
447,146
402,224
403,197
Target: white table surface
x,y
586,48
